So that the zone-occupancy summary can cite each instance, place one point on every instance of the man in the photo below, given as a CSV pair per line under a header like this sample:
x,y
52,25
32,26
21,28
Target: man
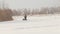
x,y
25,17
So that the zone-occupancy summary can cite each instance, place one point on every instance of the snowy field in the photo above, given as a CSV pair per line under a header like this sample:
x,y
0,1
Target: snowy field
x,y
49,24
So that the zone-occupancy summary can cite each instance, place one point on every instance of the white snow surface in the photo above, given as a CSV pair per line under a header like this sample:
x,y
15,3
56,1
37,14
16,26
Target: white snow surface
x,y
49,24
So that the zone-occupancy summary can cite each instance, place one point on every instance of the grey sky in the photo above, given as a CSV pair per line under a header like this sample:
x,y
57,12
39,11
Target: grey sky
x,y
15,4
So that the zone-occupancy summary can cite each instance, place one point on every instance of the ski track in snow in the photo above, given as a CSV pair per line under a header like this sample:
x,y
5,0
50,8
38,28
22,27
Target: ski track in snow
x,y
33,25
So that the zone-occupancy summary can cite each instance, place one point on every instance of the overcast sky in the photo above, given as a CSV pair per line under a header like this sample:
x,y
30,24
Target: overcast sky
x,y
15,4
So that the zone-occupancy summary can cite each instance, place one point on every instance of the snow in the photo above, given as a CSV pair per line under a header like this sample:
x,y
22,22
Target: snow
x,y
49,24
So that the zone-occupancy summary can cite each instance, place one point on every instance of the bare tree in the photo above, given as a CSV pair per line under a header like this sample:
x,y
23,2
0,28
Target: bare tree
x,y
25,14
